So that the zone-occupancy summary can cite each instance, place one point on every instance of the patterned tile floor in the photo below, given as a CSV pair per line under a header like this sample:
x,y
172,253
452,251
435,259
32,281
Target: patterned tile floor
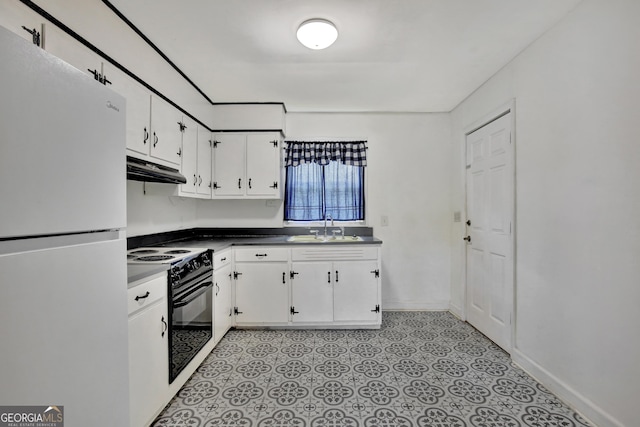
x,y
424,369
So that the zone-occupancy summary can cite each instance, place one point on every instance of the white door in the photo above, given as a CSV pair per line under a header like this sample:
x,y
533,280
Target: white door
x,y
490,180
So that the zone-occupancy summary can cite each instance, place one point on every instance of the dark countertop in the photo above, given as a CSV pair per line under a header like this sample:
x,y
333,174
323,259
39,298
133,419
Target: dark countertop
x,y
137,272
219,242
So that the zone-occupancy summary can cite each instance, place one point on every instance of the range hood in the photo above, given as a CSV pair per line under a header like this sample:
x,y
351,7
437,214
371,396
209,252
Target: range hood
x,y
143,170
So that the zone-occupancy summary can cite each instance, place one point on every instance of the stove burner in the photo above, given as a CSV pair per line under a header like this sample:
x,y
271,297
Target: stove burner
x,y
144,251
155,258
178,251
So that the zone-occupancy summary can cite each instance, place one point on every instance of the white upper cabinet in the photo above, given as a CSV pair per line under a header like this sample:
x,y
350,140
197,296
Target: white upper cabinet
x,y
247,165
196,160
166,135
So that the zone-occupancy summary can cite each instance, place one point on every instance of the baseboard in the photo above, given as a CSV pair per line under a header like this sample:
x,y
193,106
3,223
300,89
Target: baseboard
x,y
585,407
456,311
398,305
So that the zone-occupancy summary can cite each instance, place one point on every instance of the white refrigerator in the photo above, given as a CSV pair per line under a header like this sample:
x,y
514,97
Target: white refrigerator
x,y
63,280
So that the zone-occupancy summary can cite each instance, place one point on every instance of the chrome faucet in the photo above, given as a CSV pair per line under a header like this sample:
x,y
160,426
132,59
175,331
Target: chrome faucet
x,y
325,224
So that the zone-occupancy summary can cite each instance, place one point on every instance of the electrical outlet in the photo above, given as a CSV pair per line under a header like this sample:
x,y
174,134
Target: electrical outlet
x,y
384,221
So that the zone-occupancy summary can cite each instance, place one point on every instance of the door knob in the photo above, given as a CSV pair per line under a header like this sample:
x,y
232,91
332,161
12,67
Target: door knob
x,y
468,239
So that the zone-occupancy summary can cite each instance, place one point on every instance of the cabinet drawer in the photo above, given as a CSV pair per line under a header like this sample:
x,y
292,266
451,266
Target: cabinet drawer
x,y
261,254
220,259
146,293
342,253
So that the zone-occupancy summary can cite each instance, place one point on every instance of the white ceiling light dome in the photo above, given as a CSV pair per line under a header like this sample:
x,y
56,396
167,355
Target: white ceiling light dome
x,y
317,33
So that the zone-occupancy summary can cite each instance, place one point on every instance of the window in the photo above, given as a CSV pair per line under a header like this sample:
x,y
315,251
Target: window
x,y
325,179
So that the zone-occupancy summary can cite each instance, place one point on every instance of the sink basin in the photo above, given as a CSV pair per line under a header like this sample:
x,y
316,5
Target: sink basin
x,y
310,238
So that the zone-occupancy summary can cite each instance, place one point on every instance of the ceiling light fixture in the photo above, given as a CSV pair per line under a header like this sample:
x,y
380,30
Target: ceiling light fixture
x,y
317,33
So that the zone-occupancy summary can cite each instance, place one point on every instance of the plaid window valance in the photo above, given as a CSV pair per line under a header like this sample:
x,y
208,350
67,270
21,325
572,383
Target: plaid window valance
x,y
352,153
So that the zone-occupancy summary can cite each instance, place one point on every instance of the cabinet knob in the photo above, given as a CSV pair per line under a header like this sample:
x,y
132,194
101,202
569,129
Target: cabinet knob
x,y
155,139
146,135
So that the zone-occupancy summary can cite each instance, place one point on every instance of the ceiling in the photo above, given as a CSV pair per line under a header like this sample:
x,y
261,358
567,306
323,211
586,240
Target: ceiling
x,y
391,55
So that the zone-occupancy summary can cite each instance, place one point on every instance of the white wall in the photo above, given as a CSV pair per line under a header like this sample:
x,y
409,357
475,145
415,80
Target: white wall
x,y
577,95
152,208
408,181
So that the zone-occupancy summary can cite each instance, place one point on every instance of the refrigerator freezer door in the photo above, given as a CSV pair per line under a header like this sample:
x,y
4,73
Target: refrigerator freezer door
x,y
63,324
62,146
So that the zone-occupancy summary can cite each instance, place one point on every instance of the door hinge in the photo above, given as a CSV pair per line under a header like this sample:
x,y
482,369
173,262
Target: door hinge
x,y
236,274
376,272
236,311
377,309
293,310
274,142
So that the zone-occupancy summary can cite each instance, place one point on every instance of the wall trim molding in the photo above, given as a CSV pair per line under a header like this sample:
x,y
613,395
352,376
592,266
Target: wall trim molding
x,y
412,305
581,404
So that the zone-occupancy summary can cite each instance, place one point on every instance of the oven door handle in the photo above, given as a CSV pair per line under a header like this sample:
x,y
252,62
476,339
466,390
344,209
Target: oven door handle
x,y
192,294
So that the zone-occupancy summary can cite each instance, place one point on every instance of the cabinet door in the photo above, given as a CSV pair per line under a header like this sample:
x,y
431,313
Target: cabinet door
x,y
138,110
262,293
166,138
355,291
204,162
312,292
189,165
228,165
148,363
263,165
222,304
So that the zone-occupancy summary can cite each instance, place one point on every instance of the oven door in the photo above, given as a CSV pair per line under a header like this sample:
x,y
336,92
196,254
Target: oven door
x,y
191,324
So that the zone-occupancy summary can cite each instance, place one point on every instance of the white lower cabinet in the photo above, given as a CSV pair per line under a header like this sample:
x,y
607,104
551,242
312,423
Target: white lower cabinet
x,y
311,292
356,291
222,283
308,285
261,277
341,292
148,350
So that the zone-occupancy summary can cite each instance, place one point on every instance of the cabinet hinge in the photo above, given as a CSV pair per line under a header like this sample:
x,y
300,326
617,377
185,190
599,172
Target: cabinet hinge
x,y
274,142
293,310
210,143
215,185
35,35
236,274
377,309
182,126
275,185
215,143
236,311
292,274
99,77
376,272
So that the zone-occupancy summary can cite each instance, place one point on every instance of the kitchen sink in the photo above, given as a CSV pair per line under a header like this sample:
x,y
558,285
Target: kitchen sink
x,y
310,238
